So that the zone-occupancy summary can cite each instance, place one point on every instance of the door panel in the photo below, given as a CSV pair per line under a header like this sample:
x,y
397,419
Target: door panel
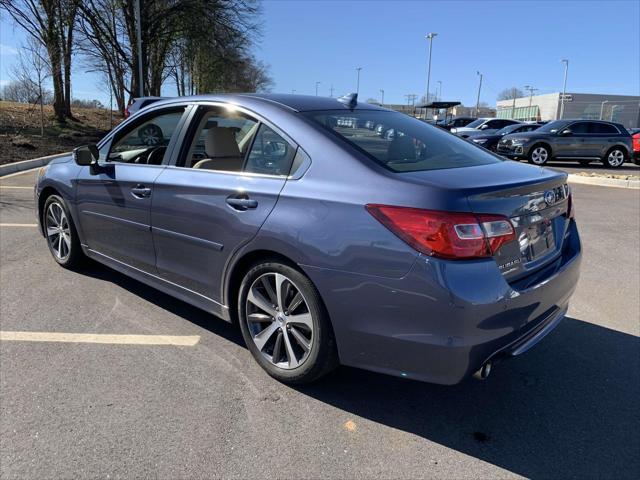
x,y
196,230
115,211
114,197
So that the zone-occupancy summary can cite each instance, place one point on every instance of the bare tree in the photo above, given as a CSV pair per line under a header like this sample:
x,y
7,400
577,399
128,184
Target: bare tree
x,y
510,93
31,71
51,23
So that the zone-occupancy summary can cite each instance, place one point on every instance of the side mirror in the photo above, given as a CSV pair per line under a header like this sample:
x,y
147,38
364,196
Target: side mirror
x,y
484,127
86,155
566,132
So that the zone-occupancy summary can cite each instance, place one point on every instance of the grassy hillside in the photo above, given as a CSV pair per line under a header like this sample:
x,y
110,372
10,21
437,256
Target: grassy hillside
x,y
20,130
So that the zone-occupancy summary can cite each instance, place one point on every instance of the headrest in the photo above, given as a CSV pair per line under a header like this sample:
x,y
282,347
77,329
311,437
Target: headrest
x,y
221,142
401,148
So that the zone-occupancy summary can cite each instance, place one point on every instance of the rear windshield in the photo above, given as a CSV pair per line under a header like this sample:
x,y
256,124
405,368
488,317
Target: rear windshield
x,y
401,143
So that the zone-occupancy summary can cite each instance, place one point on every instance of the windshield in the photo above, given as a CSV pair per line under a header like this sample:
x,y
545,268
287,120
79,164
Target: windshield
x,y
508,129
476,123
399,142
553,127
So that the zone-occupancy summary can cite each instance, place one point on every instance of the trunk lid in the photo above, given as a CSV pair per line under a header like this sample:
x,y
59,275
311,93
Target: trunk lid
x,y
534,199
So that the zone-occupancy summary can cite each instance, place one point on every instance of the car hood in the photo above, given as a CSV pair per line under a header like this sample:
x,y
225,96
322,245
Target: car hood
x,y
487,136
480,133
464,129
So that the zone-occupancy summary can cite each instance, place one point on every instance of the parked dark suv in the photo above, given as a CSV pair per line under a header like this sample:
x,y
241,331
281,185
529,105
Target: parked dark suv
x,y
582,140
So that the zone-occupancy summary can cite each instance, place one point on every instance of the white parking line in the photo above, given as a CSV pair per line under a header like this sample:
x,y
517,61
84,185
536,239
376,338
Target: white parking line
x,y
18,224
15,187
176,340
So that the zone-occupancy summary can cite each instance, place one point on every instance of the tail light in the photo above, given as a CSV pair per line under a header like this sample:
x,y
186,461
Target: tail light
x,y
449,235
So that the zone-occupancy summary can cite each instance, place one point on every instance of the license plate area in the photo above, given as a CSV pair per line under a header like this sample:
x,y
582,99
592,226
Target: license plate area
x,y
539,241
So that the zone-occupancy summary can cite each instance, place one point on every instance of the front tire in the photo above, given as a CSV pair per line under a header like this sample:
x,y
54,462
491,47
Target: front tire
x,y
615,157
539,155
61,234
285,324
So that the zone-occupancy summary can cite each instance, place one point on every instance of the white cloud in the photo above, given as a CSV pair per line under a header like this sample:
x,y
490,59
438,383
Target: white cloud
x,y
7,50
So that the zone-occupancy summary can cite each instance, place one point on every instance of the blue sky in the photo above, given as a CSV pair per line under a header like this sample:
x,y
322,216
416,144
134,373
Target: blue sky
x,y
513,43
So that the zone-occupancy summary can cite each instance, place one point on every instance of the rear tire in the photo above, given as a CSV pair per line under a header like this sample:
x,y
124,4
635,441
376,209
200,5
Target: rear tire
x,y
615,157
285,325
539,155
60,232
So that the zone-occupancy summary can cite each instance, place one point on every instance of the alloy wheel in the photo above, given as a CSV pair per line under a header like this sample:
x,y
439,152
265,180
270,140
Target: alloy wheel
x,y
615,158
279,320
149,136
58,231
539,155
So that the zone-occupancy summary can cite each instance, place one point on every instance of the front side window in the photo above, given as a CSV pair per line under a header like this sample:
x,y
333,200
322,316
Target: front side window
x,y
580,127
146,142
402,143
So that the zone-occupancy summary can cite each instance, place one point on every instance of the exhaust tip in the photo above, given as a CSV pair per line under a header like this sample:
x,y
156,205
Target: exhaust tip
x,y
483,372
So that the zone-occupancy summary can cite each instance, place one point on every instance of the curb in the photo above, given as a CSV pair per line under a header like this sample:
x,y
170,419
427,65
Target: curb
x,y
605,182
10,168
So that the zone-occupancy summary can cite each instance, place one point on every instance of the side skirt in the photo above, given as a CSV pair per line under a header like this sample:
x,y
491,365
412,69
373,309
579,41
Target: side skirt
x,y
193,298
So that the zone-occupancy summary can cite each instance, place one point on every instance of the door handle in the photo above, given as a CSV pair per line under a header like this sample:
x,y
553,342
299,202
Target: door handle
x,y
140,191
242,203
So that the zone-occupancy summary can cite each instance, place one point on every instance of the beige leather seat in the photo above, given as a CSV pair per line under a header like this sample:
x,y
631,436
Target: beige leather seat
x,y
222,149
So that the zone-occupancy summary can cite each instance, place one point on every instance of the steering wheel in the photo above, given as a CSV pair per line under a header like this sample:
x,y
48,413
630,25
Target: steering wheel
x,y
155,155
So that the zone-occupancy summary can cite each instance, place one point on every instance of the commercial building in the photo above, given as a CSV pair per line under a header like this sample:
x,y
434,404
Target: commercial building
x,y
624,109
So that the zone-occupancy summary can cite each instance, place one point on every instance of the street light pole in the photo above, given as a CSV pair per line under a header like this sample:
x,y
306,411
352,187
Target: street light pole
x,y
564,86
429,37
317,83
331,90
382,96
439,98
139,47
358,81
613,108
602,108
478,100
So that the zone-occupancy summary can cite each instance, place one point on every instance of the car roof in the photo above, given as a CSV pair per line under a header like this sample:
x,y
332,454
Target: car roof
x,y
298,103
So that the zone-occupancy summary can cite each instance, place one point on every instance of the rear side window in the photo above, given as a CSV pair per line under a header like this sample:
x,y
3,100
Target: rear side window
x,y
270,153
603,128
399,142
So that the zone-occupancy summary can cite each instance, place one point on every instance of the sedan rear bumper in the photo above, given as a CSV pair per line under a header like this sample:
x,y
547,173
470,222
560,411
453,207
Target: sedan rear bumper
x,y
445,319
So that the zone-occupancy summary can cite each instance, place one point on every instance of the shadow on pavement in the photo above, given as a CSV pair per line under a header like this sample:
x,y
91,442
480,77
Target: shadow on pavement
x,y
194,315
568,408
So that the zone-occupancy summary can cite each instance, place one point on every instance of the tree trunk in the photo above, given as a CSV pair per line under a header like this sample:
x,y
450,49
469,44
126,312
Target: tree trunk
x,y
58,85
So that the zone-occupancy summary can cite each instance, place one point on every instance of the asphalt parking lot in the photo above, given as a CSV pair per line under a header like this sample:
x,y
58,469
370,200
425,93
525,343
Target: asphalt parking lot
x,y
130,407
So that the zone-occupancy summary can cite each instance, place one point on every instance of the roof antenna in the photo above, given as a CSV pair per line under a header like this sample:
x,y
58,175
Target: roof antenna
x,y
350,100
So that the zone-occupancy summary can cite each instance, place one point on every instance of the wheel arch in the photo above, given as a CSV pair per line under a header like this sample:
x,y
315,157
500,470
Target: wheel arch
x,y
545,144
42,199
620,146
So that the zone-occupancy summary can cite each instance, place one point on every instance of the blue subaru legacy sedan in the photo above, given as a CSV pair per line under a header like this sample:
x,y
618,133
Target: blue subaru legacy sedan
x,y
331,231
